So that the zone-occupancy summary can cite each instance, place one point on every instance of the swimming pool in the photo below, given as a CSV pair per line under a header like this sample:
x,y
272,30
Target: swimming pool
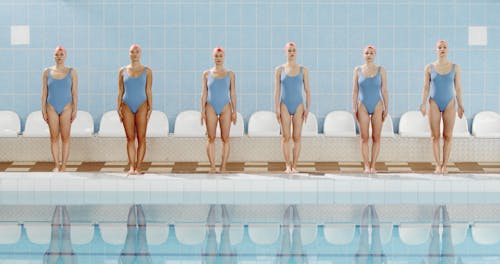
x,y
242,218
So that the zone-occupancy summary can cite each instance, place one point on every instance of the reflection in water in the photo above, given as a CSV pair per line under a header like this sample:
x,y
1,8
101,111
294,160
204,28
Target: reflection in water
x,y
135,249
221,253
291,250
369,252
404,244
444,253
60,248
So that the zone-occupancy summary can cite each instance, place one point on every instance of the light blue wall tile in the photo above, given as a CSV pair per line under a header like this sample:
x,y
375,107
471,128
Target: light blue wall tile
x,y
158,17
217,36
263,13
217,14
233,37
355,14
172,14
21,16
278,13
477,14
306,15
187,16
431,15
491,102
462,15
5,90
6,15
370,14
234,14
248,15
141,14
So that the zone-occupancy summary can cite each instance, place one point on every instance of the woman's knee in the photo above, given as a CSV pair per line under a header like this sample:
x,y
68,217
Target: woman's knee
x,y
296,138
54,138
364,139
141,140
435,136
225,139
211,139
447,136
65,139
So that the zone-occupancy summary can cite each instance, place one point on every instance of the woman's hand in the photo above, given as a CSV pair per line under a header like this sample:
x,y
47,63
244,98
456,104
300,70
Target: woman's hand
x,y
45,116
423,109
460,111
150,110
73,114
278,116
120,114
233,117
203,117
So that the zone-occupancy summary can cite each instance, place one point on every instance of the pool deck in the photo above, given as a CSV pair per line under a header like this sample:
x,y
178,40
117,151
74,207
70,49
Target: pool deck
x,y
80,188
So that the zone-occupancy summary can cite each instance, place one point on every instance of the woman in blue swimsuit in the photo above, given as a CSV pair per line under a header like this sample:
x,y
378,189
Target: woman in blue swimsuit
x,y
291,79
370,104
59,101
441,86
218,103
135,105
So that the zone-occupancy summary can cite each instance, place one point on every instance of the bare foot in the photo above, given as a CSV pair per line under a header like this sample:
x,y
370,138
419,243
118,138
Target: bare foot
x,y
444,169
367,169
56,169
131,171
294,170
373,170
63,168
222,169
438,170
212,170
137,172
288,169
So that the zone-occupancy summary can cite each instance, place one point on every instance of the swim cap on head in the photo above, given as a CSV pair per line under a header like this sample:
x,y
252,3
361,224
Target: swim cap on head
x,y
135,46
218,49
441,42
370,47
290,44
60,48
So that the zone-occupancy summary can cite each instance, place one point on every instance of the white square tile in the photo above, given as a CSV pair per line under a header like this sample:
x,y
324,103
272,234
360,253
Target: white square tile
x,y
478,36
20,35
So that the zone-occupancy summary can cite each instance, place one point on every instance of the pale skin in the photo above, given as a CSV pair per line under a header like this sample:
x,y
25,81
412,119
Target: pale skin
x,y
283,115
209,116
376,120
135,124
443,66
59,125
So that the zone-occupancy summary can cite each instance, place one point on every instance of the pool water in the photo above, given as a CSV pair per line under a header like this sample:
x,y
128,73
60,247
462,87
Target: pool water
x,y
224,236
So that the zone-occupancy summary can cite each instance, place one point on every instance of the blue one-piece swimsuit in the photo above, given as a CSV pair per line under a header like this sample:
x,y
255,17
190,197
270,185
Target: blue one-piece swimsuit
x,y
135,90
218,92
370,90
442,87
291,90
59,91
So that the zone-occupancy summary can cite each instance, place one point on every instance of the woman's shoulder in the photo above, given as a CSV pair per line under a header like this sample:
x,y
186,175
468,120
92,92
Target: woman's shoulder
x,y
279,67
